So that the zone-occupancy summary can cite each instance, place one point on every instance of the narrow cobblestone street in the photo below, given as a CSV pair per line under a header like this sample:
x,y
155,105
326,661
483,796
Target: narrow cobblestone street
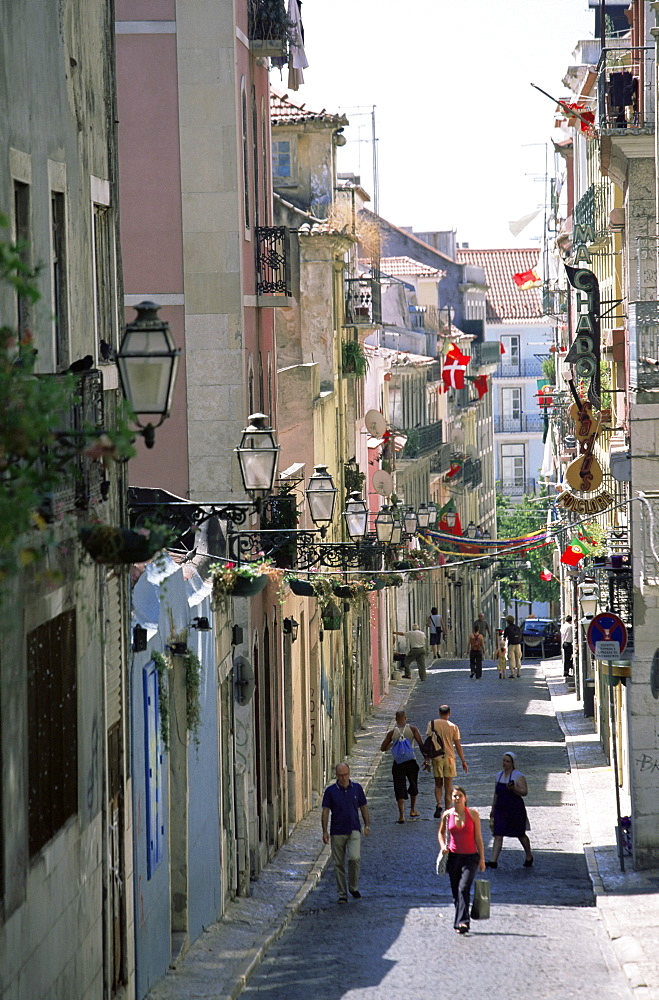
x,y
545,937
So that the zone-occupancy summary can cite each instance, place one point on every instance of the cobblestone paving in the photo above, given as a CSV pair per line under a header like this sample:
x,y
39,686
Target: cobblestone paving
x,y
545,938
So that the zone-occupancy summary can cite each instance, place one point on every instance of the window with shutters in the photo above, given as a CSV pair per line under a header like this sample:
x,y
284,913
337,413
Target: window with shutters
x,y
155,816
52,728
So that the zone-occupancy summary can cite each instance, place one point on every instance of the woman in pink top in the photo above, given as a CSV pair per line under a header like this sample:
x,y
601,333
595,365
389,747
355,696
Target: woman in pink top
x,y
459,835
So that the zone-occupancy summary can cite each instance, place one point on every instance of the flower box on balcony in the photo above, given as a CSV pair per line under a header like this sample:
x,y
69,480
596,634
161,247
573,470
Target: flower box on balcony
x,y
122,546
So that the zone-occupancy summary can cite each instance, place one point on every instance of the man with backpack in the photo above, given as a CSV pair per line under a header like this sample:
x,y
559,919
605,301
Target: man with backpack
x,y
404,770
513,636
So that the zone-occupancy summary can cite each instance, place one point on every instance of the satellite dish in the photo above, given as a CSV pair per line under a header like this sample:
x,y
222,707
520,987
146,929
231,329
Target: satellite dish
x,y
382,483
470,451
376,425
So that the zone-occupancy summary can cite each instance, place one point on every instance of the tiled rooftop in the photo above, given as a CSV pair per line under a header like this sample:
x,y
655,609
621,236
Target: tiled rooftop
x,y
505,301
285,111
405,266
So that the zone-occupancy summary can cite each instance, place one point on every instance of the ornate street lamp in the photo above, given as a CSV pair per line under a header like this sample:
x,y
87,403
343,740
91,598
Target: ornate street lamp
x,y
410,521
451,518
424,514
258,454
148,360
384,524
321,496
588,600
356,515
470,531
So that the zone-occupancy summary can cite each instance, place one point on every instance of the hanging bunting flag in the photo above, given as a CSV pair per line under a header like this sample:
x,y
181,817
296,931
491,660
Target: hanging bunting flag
x,y
575,552
546,574
502,349
527,279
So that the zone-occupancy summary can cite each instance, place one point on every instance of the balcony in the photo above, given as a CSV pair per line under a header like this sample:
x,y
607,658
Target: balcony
x,y
363,302
83,481
644,349
522,368
486,353
267,27
516,487
441,460
625,102
273,267
525,423
472,473
423,440
592,211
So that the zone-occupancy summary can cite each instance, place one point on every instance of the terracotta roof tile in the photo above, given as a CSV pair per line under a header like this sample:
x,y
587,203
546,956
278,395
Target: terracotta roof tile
x,y
505,301
285,111
400,266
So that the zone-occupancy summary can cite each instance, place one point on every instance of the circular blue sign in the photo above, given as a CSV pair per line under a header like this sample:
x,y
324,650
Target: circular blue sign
x,y
607,627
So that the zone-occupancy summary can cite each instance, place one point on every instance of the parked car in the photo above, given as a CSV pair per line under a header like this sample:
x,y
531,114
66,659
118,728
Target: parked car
x,y
541,637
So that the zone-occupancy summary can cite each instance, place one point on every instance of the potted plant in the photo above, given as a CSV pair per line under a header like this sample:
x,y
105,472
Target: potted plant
x,y
353,358
242,579
108,544
303,588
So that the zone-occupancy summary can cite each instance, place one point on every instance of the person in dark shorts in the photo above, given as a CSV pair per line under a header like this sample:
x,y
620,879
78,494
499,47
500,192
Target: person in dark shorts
x,y
404,769
436,626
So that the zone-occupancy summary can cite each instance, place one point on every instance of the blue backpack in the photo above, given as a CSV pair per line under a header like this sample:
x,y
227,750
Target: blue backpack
x,y
402,750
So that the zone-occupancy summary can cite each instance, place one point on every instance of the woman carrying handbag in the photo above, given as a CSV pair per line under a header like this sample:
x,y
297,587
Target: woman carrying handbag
x,y
460,838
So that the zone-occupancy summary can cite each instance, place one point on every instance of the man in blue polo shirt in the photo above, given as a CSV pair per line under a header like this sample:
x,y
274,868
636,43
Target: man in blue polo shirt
x,y
345,800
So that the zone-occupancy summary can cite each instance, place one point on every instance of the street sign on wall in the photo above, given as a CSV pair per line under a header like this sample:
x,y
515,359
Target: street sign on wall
x,y
607,631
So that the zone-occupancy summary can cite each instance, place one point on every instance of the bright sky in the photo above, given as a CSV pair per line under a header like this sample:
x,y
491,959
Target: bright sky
x,y
461,132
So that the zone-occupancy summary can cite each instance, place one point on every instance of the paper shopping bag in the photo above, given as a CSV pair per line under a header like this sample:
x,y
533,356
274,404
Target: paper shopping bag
x,y
480,909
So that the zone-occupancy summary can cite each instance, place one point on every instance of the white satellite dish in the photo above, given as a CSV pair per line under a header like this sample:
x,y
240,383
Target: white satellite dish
x,y
376,425
382,483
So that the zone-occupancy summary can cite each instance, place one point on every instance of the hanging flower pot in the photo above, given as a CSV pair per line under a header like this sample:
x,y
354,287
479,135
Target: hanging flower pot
x,y
345,591
331,617
110,545
301,587
245,586
380,583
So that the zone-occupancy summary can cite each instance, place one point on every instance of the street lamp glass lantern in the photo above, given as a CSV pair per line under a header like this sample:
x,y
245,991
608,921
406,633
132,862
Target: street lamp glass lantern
x,y
410,521
471,530
356,515
384,524
451,518
433,515
321,496
423,514
588,600
397,533
148,361
258,454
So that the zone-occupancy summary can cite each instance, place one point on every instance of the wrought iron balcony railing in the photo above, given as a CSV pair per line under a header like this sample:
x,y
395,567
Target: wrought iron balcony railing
x,y
625,102
423,440
441,460
273,265
268,26
523,368
83,479
363,302
488,352
592,211
524,424
644,347
516,487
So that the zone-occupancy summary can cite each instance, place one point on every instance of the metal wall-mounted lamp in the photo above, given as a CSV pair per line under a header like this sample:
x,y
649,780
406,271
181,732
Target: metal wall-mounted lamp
x,y
410,521
177,648
139,639
321,497
356,517
290,627
236,635
424,514
258,454
470,530
588,600
384,524
201,624
148,361
451,518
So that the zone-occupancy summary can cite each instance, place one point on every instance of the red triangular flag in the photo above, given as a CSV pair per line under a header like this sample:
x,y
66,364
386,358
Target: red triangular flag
x,y
546,574
502,349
